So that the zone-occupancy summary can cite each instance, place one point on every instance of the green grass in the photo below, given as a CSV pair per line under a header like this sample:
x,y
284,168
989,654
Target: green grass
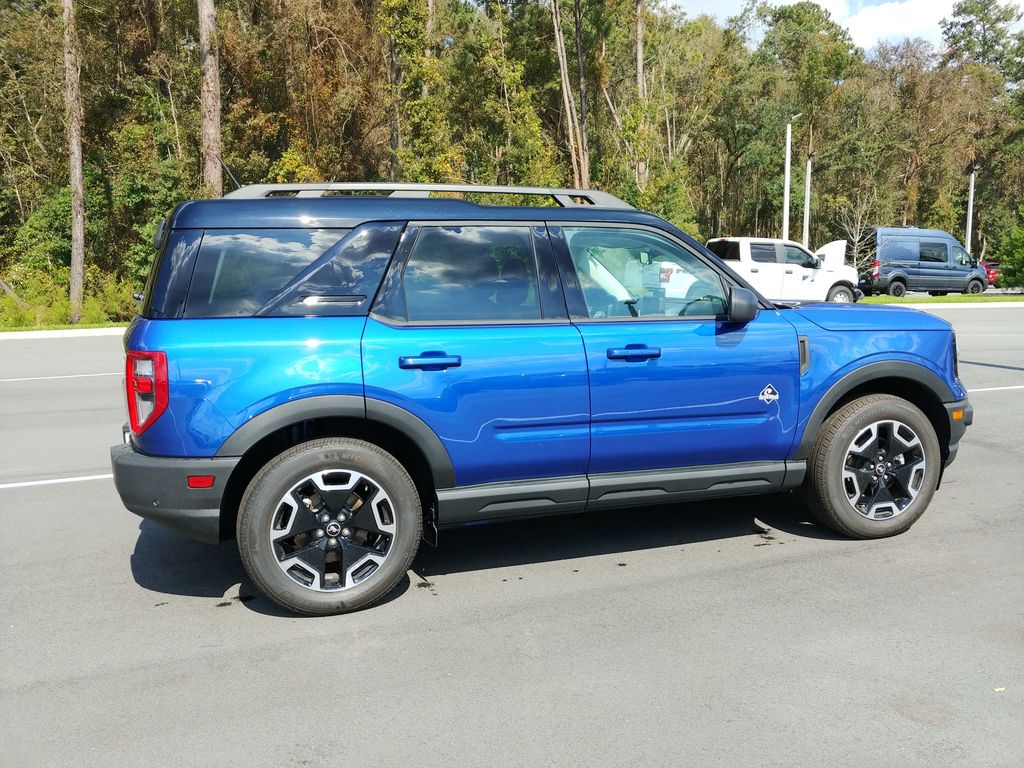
x,y
953,298
64,327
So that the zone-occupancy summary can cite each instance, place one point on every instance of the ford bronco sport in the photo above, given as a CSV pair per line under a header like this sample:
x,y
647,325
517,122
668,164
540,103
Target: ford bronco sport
x,y
332,378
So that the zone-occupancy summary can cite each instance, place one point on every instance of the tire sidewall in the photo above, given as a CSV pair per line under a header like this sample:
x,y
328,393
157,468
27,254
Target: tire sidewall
x,y
840,291
270,485
897,288
835,458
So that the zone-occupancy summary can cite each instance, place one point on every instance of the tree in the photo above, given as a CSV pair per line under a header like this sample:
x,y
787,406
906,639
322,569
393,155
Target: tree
x,y
209,64
73,101
574,133
980,31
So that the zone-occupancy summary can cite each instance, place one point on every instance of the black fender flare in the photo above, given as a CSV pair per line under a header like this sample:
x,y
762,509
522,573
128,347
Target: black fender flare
x,y
352,406
887,369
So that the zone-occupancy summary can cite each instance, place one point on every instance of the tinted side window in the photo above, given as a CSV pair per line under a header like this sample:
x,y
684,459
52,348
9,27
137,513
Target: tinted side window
x,y
892,249
934,252
727,250
471,274
343,280
796,256
239,271
964,258
167,287
762,252
628,273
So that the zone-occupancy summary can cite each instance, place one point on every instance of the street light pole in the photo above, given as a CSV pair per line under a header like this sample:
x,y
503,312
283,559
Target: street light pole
x,y
807,187
785,190
970,208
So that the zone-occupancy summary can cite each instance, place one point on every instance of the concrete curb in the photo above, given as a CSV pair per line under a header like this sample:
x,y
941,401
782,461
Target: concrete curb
x,y
67,333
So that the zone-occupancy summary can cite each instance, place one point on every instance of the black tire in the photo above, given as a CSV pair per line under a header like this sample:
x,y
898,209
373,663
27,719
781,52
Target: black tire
x,y
391,497
831,495
840,294
897,288
974,286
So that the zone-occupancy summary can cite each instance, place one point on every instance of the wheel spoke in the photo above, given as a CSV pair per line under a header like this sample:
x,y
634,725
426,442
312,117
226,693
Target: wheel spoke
x,y
865,445
903,477
881,495
301,519
311,559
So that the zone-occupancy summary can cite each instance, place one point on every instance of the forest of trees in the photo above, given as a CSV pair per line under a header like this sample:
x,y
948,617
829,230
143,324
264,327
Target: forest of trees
x,y
678,114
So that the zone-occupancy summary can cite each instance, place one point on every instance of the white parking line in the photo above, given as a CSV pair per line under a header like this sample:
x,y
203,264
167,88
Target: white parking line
x,y
54,481
995,389
68,376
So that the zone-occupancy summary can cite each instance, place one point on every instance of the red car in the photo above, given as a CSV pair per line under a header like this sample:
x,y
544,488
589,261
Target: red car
x,y
992,271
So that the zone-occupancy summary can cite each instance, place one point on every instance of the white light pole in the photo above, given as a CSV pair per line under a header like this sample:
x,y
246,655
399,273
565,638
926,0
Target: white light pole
x,y
970,207
785,190
807,195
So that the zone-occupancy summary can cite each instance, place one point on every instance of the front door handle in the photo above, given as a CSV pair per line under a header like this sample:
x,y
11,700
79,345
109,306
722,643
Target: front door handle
x,y
789,271
430,361
755,270
634,353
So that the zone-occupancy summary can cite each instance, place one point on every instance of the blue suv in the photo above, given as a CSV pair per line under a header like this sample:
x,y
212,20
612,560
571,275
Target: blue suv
x,y
332,376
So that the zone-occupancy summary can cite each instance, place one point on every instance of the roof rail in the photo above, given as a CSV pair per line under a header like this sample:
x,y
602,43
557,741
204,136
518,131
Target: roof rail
x,y
567,198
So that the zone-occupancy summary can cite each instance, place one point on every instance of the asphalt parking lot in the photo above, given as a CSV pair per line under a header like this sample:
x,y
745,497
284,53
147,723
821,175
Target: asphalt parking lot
x,y
734,634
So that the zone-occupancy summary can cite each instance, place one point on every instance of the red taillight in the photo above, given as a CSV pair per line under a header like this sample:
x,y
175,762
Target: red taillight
x,y
145,381
200,481
875,268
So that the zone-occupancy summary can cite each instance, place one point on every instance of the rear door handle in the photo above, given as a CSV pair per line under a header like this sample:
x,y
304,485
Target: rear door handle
x,y
755,270
634,353
430,361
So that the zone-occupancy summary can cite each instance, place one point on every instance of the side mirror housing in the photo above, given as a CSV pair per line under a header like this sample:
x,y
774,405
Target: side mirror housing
x,y
743,305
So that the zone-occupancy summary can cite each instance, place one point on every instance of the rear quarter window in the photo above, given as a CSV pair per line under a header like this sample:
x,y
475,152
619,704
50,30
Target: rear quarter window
x,y
238,271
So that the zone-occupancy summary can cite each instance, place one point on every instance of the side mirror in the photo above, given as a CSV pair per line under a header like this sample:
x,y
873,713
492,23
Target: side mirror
x,y
743,306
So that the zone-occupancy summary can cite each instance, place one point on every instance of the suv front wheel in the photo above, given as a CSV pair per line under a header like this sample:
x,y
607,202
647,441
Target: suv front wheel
x,y
874,467
329,526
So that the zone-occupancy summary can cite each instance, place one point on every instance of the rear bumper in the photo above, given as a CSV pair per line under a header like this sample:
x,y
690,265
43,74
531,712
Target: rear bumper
x,y
957,426
156,488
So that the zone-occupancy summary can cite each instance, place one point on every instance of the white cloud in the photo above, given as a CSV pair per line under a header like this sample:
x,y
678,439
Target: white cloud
x,y
868,21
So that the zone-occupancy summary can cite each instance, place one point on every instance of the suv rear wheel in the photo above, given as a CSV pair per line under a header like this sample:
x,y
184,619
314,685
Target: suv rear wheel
x,y
897,288
874,467
329,526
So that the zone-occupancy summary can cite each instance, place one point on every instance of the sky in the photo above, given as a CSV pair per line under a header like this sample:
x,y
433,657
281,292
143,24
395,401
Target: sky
x,y
868,21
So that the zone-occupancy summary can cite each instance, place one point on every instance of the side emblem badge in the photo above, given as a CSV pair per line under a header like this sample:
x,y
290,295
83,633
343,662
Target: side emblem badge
x,y
769,394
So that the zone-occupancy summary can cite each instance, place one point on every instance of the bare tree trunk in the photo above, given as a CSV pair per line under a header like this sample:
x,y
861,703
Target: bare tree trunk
x,y
393,82
641,88
73,104
6,288
568,100
584,146
428,49
209,64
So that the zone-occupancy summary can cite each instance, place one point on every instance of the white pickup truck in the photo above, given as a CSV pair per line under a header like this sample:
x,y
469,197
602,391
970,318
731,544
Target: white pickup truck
x,y
784,270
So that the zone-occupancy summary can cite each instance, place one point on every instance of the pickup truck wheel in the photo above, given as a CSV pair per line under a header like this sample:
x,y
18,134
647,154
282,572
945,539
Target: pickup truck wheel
x,y
329,526
840,294
897,288
873,468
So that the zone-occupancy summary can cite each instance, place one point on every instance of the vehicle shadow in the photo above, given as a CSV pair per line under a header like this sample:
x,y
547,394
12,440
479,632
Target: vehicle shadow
x,y
545,539
171,565
168,564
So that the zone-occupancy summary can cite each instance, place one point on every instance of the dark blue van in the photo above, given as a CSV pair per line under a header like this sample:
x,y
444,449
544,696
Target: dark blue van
x,y
911,259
